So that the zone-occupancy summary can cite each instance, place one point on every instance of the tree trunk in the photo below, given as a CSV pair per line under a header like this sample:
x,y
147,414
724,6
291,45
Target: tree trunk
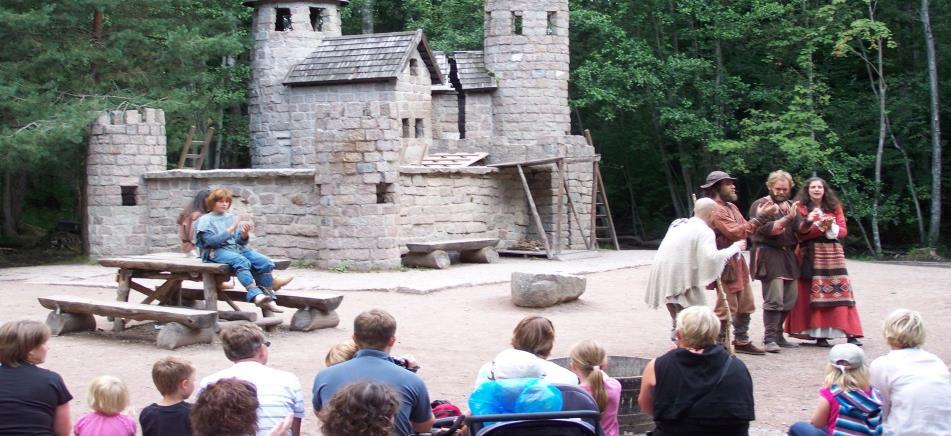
x,y
934,226
366,13
97,40
14,188
911,183
879,153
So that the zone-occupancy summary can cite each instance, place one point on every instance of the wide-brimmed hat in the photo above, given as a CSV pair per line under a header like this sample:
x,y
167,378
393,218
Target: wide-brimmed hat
x,y
847,355
715,177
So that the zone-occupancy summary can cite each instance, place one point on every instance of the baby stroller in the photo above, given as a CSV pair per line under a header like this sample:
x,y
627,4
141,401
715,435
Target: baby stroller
x,y
579,417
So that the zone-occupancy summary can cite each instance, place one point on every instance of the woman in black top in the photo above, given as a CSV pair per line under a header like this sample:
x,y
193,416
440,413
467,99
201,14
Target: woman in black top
x,y
33,400
697,388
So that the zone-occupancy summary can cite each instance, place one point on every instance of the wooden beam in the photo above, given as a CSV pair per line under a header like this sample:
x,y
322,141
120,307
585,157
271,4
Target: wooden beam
x,y
559,198
324,301
189,317
538,219
574,212
451,245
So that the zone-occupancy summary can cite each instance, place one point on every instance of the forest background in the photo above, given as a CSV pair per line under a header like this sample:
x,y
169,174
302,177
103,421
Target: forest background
x,y
849,90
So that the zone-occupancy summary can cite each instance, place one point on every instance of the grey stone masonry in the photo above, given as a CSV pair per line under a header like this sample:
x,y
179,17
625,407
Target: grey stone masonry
x,y
123,145
526,47
274,52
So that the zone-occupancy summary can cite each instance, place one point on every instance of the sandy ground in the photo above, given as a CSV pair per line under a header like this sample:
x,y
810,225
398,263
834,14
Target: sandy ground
x,y
452,332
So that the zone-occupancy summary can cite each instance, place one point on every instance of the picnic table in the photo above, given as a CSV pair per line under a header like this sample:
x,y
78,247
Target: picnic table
x,y
192,315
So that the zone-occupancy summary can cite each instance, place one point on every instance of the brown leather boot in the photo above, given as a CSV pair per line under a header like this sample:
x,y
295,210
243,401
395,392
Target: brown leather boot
x,y
279,282
265,302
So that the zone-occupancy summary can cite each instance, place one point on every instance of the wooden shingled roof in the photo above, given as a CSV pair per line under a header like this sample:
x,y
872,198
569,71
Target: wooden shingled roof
x,y
470,69
363,58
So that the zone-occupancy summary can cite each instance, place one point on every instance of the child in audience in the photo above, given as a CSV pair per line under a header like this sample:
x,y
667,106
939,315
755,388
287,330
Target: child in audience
x,y
588,361
341,352
186,220
230,407
362,408
848,404
109,398
915,384
175,380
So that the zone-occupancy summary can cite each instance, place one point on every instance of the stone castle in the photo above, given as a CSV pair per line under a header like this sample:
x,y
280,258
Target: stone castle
x,y
341,129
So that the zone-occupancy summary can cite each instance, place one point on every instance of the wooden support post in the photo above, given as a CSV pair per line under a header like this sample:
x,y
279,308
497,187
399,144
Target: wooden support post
x,y
210,290
574,212
538,219
607,208
594,204
559,198
124,279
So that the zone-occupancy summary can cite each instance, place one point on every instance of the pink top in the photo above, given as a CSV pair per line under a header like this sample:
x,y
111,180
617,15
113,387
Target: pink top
x,y
98,424
609,422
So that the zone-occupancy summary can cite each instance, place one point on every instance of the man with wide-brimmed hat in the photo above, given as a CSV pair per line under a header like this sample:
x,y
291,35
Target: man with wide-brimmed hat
x,y
729,226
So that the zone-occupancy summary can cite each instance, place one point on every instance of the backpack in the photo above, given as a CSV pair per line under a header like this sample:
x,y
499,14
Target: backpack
x,y
858,413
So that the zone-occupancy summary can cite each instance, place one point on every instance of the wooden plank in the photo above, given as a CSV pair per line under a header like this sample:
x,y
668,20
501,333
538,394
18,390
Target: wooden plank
x,y
451,245
574,213
559,199
607,209
529,163
538,219
189,317
186,147
594,206
319,300
452,159
174,263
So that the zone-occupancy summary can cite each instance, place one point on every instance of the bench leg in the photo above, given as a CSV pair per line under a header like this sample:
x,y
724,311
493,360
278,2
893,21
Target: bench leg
x,y
174,335
122,295
482,255
305,320
437,259
61,323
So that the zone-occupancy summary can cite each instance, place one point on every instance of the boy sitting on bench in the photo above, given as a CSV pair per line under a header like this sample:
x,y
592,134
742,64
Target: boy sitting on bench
x,y
222,237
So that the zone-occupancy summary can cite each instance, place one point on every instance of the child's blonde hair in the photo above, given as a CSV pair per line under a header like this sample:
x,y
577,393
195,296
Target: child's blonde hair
x,y
108,395
847,368
341,352
588,357
904,328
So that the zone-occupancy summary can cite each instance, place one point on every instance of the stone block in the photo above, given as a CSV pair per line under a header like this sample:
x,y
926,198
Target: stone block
x,y
545,290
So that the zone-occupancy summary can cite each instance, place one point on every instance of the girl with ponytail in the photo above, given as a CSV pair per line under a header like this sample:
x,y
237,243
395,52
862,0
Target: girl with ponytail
x,y
588,361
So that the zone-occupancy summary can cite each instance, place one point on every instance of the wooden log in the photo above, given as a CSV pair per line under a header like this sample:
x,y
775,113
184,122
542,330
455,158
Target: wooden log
x,y
534,210
482,255
62,323
189,317
174,335
124,280
267,323
437,259
305,320
164,263
296,299
210,291
231,315
452,245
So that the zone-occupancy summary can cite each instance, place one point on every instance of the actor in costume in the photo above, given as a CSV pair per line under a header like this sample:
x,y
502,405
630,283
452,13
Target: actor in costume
x,y
773,258
730,226
825,308
686,261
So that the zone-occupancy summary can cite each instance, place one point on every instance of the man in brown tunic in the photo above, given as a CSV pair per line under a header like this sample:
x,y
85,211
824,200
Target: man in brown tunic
x,y
729,226
773,257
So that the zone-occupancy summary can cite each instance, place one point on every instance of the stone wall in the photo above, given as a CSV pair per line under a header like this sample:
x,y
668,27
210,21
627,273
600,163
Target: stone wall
x,y
274,53
479,115
446,115
282,202
122,146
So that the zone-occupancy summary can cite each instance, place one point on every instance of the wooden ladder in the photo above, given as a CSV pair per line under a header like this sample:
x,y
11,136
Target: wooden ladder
x,y
601,221
197,159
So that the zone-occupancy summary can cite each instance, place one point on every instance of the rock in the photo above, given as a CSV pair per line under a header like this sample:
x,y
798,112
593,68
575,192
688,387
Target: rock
x,y
544,290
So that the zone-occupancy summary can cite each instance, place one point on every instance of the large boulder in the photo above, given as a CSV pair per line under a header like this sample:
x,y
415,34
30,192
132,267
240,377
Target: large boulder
x,y
544,290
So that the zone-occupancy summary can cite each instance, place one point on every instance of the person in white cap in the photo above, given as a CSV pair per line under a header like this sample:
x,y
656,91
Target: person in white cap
x,y
915,384
848,404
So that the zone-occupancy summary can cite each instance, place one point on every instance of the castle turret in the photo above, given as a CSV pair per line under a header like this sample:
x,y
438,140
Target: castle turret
x,y
526,47
285,32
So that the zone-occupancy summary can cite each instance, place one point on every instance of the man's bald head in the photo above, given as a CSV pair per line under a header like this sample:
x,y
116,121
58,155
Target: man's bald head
x,y
704,208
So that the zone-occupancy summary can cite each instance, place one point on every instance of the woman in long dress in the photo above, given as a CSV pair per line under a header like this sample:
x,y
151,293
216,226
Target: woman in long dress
x,y
825,307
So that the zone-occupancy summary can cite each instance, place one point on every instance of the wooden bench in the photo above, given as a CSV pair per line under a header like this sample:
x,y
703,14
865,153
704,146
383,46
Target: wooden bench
x,y
183,326
315,310
434,254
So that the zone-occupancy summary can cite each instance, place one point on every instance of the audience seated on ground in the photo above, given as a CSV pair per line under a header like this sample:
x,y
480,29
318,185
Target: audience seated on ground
x,y
33,400
361,408
697,388
535,335
111,413
175,380
279,392
374,332
914,384
230,407
847,402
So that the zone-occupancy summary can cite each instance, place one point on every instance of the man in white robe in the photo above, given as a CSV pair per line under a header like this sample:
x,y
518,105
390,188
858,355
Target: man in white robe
x,y
687,261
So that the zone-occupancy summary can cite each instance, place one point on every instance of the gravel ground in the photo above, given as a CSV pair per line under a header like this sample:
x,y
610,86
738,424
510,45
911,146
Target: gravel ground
x,y
452,332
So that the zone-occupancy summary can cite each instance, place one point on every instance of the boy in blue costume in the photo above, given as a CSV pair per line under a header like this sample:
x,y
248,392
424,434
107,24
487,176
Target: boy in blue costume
x,y
223,237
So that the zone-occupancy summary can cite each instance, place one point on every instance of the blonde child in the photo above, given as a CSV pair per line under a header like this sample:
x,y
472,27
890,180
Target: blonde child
x,y
111,416
175,380
341,352
588,361
848,403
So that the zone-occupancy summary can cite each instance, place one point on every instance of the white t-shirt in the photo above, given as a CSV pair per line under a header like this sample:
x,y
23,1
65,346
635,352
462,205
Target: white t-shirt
x,y
916,392
279,392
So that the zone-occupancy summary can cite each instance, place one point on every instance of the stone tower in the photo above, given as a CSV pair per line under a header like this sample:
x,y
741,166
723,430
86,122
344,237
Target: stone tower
x,y
526,47
284,33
